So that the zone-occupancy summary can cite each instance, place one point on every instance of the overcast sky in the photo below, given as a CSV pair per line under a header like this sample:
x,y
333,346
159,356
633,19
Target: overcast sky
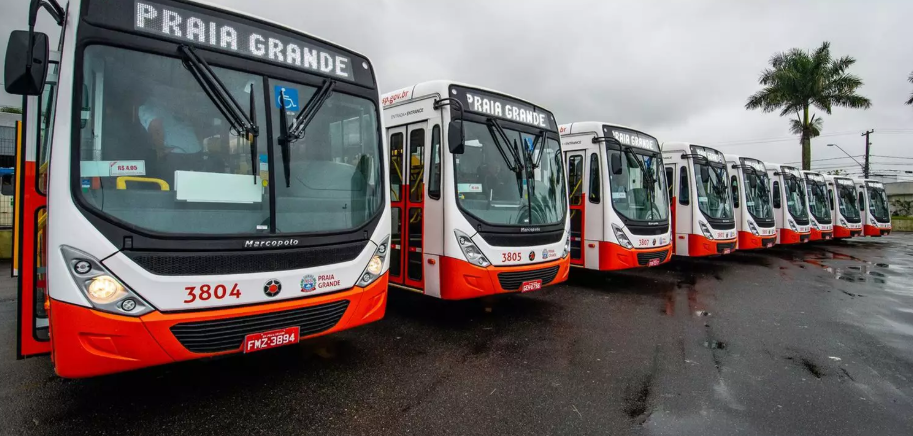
x,y
676,70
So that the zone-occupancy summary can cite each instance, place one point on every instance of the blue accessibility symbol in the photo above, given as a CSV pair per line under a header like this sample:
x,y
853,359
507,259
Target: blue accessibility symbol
x,y
290,100
529,144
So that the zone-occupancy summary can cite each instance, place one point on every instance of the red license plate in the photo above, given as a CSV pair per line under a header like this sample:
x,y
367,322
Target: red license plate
x,y
727,250
653,262
271,339
533,285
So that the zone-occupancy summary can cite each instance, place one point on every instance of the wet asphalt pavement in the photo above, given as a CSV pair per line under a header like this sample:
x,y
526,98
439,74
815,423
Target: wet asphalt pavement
x,y
813,340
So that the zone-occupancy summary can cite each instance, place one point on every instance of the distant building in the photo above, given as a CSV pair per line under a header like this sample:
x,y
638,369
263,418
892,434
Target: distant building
x,y
900,197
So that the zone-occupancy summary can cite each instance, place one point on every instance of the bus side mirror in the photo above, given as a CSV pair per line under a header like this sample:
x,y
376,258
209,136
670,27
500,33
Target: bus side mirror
x,y
455,137
616,163
26,63
705,174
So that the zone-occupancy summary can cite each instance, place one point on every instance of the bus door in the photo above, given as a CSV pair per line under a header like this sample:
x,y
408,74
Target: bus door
x,y
576,185
407,198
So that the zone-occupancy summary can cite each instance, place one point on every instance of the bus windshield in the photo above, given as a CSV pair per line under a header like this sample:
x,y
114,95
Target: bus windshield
x,y
757,190
712,190
638,191
846,193
491,191
817,200
878,201
796,202
155,152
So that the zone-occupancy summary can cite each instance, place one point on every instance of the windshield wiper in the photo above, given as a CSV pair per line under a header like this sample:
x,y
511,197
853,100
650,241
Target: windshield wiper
x,y
513,162
243,124
296,131
532,151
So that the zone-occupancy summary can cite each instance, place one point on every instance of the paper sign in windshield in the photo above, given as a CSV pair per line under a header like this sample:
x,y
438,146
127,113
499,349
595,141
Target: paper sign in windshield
x,y
127,168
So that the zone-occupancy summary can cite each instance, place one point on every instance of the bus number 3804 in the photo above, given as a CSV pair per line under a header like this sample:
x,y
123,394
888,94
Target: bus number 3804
x,y
207,292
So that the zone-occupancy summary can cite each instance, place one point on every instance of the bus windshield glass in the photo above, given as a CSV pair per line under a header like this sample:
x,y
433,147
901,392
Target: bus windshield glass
x,y
796,202
757,190
491,191
878,201
638,190
711,180
846,194
817,198
155,153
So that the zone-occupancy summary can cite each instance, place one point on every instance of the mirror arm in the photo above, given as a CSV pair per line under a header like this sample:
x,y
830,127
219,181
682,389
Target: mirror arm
x,y
438,104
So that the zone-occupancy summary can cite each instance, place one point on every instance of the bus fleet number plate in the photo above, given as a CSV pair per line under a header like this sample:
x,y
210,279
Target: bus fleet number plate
x,y
271,339
533,285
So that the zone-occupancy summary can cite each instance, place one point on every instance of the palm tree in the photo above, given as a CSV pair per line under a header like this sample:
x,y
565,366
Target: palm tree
x,y
798,80
910,101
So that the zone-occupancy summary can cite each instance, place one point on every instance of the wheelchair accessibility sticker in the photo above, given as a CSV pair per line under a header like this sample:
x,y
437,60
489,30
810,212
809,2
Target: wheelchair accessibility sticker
x,y
290,103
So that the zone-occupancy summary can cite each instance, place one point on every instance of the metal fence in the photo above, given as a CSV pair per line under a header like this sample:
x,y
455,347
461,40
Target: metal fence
x,y
7,177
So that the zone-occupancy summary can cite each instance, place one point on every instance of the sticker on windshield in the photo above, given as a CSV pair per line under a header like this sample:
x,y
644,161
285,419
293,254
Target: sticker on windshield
x,y
469,187
290,100
619,195
529,144
127,168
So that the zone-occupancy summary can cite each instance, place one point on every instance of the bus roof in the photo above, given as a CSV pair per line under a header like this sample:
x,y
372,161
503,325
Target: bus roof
x,y
592,127
684,146
437,87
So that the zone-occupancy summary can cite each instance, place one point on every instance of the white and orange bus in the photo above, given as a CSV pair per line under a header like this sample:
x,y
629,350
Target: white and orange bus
x,y
874,208
751,202
845,210
620,215
217,182
790,204
478,193
701,200
820,201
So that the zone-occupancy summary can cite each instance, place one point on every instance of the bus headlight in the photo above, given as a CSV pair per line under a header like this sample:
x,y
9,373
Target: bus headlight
x,y
103,290
814,224
622,237
792,226
470,250
375,266
705,230
753,229
843,223
567,246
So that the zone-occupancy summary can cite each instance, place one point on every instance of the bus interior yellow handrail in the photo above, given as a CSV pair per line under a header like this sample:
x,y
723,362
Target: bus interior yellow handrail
x,y
122,182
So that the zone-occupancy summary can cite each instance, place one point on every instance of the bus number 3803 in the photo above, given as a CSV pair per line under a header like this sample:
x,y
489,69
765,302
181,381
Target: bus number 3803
x,y
207,292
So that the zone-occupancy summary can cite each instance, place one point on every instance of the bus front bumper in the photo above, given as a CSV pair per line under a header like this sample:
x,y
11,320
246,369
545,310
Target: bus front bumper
x,y
613,257
870,230
749,241
819,235
788,237
88,343
700,246
841,232
461,280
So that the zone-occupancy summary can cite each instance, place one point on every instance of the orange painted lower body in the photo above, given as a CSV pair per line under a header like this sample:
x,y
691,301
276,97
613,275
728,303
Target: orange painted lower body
x,y
749,241
699,246
818,235
841,232
869,230
461,280
614,257
789,237
89,343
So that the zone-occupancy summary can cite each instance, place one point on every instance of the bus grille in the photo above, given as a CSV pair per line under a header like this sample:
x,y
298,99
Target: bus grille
x,y
855,233
644,259
228,334
804,238
511,281
721,248
243,262
765,241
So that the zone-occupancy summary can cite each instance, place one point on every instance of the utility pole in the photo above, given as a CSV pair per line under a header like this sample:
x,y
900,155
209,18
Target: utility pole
x,y
865,168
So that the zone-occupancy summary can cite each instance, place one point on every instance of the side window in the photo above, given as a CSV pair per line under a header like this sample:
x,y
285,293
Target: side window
x,y
396,170
434,181
47,104
777,195
830,198
684,189
595,183
735,191
416,165
861,201
670,173
575,179
6,187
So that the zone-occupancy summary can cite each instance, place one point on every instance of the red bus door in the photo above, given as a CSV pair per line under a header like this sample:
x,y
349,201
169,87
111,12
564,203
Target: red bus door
x,y
407,199
577,205
397,201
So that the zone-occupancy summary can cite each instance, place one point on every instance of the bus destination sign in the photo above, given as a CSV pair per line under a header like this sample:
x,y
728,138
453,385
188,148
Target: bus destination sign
x,y
497,106
201,29
632,138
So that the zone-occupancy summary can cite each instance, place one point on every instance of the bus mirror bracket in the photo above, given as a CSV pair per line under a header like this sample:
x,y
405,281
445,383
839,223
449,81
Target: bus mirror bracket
x,y
456,134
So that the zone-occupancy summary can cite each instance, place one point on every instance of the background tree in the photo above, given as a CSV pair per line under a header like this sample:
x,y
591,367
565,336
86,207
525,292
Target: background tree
x,y
910,101
798,80
10,110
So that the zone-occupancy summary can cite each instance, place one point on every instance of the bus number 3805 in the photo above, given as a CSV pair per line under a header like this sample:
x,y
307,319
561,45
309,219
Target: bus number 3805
x,y
207,292
511,257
